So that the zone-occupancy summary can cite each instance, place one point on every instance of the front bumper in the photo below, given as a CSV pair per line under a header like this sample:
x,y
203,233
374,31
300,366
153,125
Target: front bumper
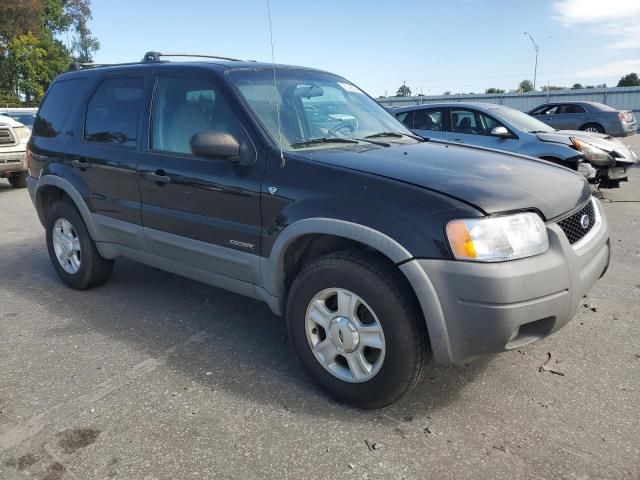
x,y
488,308
11,162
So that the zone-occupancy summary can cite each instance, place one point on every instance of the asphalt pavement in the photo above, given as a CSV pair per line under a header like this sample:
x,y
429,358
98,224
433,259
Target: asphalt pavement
x,y
153,376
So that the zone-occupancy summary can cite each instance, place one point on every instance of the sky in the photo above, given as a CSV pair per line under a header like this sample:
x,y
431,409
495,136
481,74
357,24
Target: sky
x,y
433,46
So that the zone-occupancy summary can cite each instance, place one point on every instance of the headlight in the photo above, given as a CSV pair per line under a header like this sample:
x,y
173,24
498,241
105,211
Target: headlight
x,y
496,239
23,134
591,152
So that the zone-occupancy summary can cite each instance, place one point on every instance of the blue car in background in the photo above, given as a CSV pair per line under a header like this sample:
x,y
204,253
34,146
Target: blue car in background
x,y
602,159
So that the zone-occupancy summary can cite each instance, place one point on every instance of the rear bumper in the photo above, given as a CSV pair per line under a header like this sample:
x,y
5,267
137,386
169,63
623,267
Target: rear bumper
x,y
488,308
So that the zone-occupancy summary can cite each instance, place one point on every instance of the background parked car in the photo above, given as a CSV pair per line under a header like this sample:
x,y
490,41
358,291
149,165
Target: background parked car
x,y
13,144
601,158
587,116
26,116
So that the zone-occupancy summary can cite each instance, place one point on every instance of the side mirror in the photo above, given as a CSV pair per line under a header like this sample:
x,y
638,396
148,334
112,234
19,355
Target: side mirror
x,y
215,144
500,131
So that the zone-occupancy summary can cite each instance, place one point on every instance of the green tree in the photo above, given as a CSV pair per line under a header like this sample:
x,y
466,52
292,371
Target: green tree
x,y
31,54
403,91
494,90
525,86
577,86
26,65
551,88
629,80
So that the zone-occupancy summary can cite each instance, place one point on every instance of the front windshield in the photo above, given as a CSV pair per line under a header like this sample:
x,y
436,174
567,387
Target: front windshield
x,y
317,110
520,120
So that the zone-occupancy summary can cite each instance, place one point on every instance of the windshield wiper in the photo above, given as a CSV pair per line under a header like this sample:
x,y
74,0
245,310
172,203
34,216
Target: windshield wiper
x,y
315,141
395,135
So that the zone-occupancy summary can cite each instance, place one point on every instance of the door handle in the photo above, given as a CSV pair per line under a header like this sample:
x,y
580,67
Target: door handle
x,y
80,163
160,177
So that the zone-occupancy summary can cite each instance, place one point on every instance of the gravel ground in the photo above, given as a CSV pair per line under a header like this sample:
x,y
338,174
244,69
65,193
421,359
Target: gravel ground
x,y
153,376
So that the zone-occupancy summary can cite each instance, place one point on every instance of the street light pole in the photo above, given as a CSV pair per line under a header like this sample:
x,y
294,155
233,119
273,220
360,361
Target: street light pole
x,y
535,69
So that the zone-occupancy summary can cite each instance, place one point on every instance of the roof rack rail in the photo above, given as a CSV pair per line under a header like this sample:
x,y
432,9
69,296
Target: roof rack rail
x,y
81,66
155,56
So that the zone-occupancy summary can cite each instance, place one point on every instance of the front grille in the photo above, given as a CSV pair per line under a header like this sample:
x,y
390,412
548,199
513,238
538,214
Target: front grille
x,y
572,226
5,137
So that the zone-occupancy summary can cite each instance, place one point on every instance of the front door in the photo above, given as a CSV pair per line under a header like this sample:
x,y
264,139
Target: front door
x,y
472,127
201,212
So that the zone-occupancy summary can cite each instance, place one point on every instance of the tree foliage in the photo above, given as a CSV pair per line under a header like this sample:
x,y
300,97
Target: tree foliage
x,y
494,90
629,80
403,91
31,54
577,86
525,86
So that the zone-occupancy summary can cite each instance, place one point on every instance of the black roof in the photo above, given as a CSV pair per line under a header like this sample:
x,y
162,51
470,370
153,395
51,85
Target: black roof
x,y
153,60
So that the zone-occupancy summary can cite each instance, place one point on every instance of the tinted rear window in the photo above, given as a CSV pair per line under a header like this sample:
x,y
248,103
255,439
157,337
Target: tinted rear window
x,y
59,108
113,112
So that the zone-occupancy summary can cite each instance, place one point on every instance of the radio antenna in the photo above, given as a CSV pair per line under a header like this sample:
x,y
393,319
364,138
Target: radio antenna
x,y
275,87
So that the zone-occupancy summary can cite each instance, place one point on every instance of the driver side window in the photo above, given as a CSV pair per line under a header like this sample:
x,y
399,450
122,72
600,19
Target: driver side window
x,y
472,122
183,107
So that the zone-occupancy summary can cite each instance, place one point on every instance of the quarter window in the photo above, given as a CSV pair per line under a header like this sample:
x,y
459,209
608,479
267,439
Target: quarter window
x,y
183,107
55,114
113,112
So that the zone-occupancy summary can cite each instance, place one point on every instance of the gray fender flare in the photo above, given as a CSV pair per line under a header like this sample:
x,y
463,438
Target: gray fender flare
x,y
272,267
272,270
69,189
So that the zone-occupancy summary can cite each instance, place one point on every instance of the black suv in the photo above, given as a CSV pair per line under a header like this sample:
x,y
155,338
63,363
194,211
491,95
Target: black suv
x,y
378,247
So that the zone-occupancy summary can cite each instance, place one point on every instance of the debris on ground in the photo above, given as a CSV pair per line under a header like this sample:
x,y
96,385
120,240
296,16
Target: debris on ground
x,y
546,368
352,466
371,445
427,429
500,447
407,418
588,306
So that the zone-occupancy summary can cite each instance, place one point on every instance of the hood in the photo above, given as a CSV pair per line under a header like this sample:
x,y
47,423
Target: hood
x,y
491,180
601,140
4,120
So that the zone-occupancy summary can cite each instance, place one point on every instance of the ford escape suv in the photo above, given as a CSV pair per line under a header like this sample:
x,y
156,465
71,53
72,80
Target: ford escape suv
x,y
380,249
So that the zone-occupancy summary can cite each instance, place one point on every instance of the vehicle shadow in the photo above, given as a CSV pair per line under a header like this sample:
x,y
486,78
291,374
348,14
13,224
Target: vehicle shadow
x,y
5,186
241,347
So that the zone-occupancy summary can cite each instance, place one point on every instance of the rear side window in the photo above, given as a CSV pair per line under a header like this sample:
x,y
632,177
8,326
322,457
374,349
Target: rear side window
x,y
572,108
406,118
59,108
113,112
429,120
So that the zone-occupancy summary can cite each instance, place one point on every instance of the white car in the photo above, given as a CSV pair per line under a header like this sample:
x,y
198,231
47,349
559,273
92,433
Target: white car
x,y
13,147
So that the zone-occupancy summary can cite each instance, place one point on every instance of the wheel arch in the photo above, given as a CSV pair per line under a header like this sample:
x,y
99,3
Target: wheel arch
x,y
272,268
51,188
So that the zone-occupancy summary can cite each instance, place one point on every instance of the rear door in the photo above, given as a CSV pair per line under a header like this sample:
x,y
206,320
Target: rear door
x,y
105,155
570,116
201,212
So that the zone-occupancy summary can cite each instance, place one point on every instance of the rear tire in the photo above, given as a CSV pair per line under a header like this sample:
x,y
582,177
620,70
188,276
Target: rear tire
x,y
380,301
592,128
72,250
18,180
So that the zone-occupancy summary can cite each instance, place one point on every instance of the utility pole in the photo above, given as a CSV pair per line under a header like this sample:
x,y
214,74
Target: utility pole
x,y
535,68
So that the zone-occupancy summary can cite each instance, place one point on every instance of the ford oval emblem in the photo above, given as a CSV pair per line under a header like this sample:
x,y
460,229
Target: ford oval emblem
x,y
584,221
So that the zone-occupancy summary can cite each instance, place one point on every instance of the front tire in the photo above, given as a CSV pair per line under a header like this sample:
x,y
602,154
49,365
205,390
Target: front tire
x,y
72,250
18,180
357,329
